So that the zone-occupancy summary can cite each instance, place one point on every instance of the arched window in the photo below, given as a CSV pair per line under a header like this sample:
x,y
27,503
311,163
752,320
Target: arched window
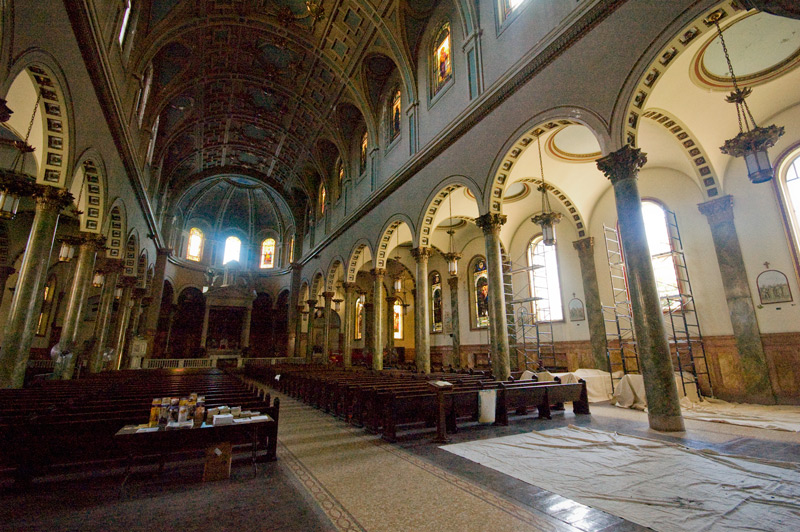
x,y
268,253
233,248
789,185
291,250
659,241
507,7
436,303
323,196
544,282
340,177
123,28
359,325
398,319
480,293
194,251
362,162
442,70
394,116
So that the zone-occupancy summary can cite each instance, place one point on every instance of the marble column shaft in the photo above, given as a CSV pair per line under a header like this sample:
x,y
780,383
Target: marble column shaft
x,y
664,410
26,305
498,325
244,341
349,323
455,335
378,323
326,333
204,331
111,270
156,293
594,307
84,270
295,309
312,305
755,372
298,330
369,326
123,318
422,311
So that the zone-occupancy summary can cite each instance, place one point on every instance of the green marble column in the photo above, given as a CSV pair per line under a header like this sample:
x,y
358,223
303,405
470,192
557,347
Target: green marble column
x,y
123,318
422,312
89,245
326,333
498,326
312,305
369,326
244,340
349,323
111,270
594,308
295,308
134,320
204,330
298,330
455,325
755,372
664,410
156,293
26,305
378,310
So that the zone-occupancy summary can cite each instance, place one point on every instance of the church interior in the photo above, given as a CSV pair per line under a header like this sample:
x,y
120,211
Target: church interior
x,y
429,199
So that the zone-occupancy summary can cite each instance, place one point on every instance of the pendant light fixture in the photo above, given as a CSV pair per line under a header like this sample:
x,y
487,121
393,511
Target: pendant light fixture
x,y
547,219
398,279
14,182
753,141
451,257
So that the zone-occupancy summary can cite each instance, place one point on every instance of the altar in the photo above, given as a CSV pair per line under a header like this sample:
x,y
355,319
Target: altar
x,y
226,323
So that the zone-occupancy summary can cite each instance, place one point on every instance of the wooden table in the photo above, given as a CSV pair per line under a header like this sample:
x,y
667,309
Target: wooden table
x,y
161,441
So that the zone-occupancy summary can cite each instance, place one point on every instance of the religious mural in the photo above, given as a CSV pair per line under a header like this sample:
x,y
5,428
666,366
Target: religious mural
x,y
480,283
773,287
443,69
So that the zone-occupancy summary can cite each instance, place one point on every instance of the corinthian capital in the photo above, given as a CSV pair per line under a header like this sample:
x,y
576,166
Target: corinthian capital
x,y
622,164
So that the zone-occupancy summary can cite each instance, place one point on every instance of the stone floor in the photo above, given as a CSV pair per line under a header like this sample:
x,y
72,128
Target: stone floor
x,y
330,476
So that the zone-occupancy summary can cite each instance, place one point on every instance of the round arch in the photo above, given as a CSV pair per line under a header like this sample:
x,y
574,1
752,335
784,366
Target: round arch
x,y
384,244
435,201
360,255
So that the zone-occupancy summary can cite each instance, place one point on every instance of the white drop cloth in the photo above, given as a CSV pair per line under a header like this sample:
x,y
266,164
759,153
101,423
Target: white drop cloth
x,y
667,487
629,391
598,382
774,417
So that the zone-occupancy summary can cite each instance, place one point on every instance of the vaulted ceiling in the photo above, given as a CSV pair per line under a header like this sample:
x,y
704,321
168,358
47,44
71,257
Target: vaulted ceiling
x,y
264,88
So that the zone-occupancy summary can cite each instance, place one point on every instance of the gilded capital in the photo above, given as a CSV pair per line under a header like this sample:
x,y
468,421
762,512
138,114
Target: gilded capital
x,y
718,210
452,282
584,244
622,164
491,221
349,287
377,273
328,295
421,254
52,197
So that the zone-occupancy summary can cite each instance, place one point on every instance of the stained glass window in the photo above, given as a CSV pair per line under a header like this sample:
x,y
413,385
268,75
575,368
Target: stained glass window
x,y
544,281
194,251
362,163
233,248
436,303
480,286
394,118
398,319
291,250
323,196
359,325
340,176
442,65
268,253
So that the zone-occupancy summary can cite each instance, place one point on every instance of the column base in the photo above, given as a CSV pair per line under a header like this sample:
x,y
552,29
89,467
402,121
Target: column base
x,y
666,423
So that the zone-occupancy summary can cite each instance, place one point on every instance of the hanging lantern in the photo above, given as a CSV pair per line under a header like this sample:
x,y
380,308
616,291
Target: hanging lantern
x,y
451,256
398,284
337,304
98,279
14,182
452,263
67,251
753,141
548,219
117,292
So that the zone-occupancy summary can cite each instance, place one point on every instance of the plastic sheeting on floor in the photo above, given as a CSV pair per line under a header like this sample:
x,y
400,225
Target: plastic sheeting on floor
x,y
773,417
657,484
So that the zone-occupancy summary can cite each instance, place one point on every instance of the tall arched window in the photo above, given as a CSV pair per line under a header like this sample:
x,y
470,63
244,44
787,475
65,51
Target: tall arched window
x,y
268,253
340,178
442,70
323,196
233,249
544,281
789,184
394,116
480,293
358,331
194,250
362,162
123,28
398,319
659,240
291,250
507,7
436,303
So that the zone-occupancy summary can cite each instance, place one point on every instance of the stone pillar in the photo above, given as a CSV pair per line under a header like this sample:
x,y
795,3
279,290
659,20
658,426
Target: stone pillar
x,y
137,304
455,335
369,325
390,328
755,372
594,308
295,309
204,330
89,245
326,333
498,327
111,270
26,304
664,410
377,323
298,330
5,273
123,317
156,293
312,304
170,322
349,323
244,341
422,312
